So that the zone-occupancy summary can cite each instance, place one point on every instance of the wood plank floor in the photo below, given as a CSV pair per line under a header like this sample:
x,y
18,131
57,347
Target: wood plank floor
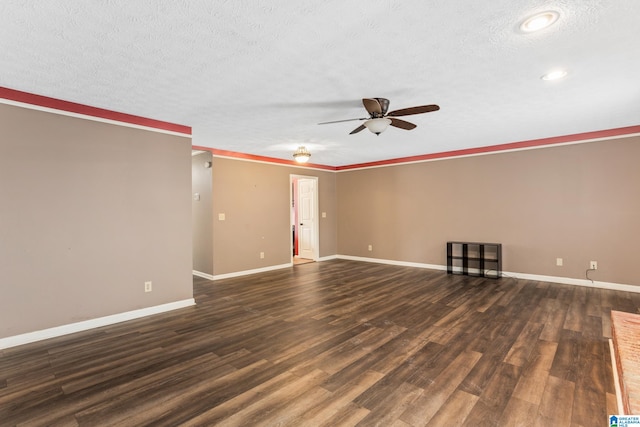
x,y
329,344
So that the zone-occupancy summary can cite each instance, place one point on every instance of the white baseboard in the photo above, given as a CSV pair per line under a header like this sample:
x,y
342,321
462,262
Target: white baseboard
x,y
393,262
515,275
90,324
203,275
254,271
573,281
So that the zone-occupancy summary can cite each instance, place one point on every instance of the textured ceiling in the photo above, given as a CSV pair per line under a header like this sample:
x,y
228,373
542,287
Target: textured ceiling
x,y
256,77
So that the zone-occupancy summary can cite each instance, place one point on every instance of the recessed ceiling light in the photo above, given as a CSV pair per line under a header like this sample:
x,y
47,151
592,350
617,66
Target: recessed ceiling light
x,y
539,21
554,75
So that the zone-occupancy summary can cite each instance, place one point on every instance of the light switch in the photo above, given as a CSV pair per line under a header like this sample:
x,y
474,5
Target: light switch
x,y
324,214
221,217
196,196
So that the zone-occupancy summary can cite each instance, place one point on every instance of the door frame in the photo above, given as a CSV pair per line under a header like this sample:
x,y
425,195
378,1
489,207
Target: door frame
x,y
316,225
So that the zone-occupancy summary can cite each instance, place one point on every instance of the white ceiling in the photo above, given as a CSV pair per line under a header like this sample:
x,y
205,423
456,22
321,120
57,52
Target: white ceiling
x,y
257,76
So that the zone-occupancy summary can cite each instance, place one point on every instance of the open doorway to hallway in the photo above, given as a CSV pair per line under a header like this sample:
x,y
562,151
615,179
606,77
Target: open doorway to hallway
x,y
202,213
304,219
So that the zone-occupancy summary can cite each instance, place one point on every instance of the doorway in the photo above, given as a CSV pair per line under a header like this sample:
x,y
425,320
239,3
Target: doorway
x,y
202,213
304,218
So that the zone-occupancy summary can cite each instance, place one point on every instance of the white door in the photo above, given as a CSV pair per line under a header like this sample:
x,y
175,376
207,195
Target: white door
x,y
307,211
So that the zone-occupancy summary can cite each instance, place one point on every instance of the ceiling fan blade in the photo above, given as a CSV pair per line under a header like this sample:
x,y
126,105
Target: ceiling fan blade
x,y
414,110
402,124
356,130
372,106
340,121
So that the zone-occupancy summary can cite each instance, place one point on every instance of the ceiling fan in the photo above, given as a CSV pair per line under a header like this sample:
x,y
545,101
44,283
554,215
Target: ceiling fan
x,y
379,117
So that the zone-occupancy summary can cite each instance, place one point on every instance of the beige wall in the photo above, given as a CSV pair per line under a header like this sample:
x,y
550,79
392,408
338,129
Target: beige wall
x,y
576,202
89,211
202,212
255,198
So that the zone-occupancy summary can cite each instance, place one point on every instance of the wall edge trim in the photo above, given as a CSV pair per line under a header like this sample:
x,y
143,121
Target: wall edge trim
x,y
573,281
560,141
57,106
71,328
202,275
533,144
253,271
507,274
393,262
235,155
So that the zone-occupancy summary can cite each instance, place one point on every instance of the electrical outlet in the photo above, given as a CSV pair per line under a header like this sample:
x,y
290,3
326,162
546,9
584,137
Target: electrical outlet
x,y
370,247
559,262
261,255
148,286
593,265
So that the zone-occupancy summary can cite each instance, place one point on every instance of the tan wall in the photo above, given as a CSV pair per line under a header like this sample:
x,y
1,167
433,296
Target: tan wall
x,y
255,198
89,211
202,212
576,202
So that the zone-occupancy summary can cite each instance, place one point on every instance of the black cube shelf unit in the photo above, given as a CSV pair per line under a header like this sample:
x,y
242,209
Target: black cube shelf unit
x,y
475,259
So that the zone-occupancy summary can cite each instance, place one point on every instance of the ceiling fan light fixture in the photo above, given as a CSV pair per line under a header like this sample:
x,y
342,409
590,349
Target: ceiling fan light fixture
x,y
539,21
378,125
301,155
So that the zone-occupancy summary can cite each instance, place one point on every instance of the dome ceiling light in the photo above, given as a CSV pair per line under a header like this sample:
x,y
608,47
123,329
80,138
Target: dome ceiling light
x,y
301,155
378,125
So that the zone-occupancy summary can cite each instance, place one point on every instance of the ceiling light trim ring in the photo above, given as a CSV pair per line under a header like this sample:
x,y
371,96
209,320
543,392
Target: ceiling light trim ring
x,y
554,75
539,21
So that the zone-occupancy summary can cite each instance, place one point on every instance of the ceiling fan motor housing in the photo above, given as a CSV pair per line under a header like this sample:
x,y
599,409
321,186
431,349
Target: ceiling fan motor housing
x,y
384,106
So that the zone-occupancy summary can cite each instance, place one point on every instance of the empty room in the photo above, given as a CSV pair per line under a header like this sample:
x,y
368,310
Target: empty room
x,y
300,214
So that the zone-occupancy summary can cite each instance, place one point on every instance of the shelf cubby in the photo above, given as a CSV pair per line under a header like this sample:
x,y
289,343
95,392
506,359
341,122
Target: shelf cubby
x,y
475,259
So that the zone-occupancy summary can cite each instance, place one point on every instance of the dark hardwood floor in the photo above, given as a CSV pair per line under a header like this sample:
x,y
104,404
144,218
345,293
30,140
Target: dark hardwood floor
x,y
333,343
